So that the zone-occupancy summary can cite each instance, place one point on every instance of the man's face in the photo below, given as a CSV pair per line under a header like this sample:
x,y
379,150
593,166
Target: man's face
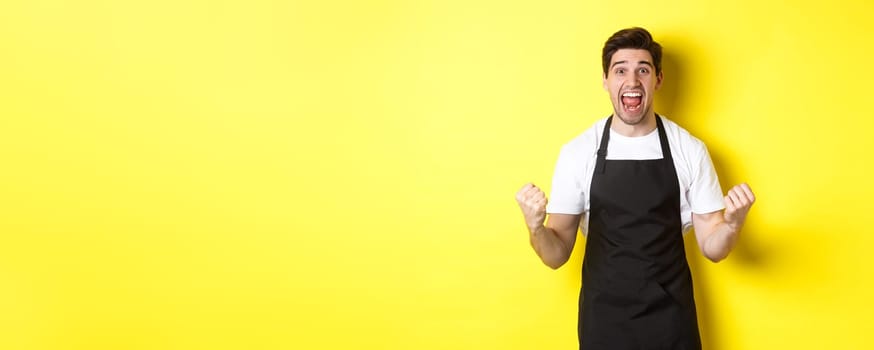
x,y
632,82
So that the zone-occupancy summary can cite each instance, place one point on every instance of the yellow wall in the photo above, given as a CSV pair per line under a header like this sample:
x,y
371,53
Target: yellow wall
x,y
340,175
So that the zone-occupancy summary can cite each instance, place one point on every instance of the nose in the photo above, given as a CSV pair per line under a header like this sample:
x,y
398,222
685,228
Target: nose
x,y
633,80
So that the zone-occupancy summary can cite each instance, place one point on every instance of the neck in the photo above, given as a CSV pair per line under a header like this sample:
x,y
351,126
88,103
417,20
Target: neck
x,y
642,128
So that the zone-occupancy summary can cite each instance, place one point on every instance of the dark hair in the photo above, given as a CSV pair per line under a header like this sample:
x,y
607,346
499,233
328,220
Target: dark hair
x,y
632,38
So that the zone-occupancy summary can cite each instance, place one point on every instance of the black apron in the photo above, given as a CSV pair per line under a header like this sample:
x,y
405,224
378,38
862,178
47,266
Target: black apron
x,y
637,287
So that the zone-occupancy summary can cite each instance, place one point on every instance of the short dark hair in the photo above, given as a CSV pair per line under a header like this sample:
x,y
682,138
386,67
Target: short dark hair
x,y
632,38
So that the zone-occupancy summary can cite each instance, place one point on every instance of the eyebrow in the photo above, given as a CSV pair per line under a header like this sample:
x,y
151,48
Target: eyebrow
x,y
622,62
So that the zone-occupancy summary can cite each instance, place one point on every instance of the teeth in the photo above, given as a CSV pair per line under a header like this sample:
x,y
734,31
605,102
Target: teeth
x,y
632,94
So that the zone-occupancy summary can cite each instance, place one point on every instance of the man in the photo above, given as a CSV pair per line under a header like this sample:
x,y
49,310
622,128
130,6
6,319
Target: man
x,y
634,182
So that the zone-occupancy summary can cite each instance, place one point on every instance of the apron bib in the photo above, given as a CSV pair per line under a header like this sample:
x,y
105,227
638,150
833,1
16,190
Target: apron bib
x,y
637,287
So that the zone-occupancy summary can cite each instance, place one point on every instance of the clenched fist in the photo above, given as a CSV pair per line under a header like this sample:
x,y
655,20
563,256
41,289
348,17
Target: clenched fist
x,y
532,201
737,204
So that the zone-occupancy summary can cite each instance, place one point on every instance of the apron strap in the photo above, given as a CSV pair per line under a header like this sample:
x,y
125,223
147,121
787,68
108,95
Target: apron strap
x,y
602,150
600,163
663,139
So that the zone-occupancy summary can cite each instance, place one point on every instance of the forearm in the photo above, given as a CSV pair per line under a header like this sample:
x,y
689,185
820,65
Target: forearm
x,y
720,242
549,247
718,231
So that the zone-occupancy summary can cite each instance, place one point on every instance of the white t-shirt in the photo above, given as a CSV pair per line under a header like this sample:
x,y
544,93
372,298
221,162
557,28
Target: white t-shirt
x,y
572,180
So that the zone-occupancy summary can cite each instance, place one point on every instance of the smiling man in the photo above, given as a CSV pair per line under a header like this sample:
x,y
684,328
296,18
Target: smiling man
x,y
634,183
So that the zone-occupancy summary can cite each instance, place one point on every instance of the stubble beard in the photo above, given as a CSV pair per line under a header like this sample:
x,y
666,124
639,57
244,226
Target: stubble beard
x,y
633,120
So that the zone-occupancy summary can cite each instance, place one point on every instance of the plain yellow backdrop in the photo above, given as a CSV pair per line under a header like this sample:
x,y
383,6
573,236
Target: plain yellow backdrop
x,y
340,174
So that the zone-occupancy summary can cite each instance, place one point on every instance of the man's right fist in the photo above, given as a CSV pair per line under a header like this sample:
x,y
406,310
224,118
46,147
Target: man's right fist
x,y
532,201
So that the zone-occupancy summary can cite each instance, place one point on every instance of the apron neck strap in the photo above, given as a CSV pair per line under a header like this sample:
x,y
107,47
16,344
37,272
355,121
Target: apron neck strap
x,y
605,137
602,150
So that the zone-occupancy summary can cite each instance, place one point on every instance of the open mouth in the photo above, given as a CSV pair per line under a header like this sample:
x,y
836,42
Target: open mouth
x,y
632,101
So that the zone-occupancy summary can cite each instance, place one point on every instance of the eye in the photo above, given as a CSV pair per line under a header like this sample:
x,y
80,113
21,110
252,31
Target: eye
x,y
620,71
643,71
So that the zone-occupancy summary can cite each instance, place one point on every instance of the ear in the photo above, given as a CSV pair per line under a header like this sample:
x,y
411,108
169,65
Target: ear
x,y
604,82
659,79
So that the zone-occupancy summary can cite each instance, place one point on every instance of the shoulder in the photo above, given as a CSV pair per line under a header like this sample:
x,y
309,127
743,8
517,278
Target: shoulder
x,y
687,143
586,143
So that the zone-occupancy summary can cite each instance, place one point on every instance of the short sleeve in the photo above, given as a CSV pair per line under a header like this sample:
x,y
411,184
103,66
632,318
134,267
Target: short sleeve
x,y
705,193
567,196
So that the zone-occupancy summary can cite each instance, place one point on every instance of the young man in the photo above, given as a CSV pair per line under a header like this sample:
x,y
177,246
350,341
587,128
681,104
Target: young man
x,y
636,181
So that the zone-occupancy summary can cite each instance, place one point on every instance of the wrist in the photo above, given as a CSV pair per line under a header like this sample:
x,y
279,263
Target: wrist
x,y
733,226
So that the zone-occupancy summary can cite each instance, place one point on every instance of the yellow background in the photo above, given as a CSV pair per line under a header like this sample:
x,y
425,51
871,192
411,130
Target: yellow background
x,y
340,174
